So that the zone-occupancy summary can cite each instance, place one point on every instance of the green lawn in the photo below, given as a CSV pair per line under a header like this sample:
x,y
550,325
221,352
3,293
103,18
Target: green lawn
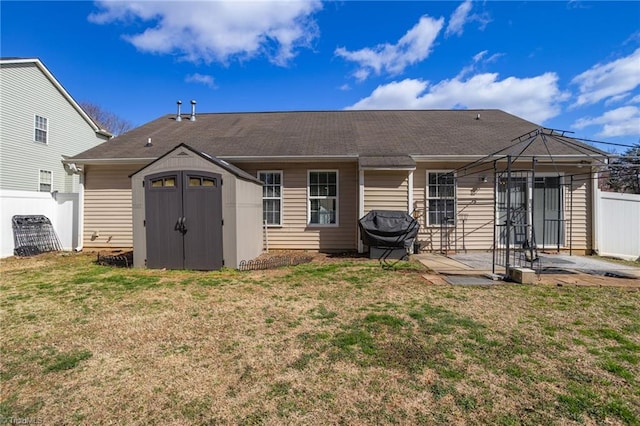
x,y
338,342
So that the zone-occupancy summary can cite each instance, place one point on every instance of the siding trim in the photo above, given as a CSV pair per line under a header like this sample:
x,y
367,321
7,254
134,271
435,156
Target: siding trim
x,y
360,207
80,211
410,192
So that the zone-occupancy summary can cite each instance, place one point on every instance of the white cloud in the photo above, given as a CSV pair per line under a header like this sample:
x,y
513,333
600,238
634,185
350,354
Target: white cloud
x,y
458,18
478,60
478,56
207,80
413,47
535,99
611,80
216,31
616,99
462,16
635,100
623,121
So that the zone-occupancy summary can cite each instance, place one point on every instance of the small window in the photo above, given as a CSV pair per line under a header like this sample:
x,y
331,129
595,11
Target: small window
x,y
201,181
46,181
323,197
441,199
271,197
41,129
166,182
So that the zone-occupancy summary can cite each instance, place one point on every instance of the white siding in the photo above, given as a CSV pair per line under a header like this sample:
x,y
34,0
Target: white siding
x,y
26,91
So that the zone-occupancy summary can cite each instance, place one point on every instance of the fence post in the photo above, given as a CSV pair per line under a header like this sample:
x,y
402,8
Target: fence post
x,y
266,237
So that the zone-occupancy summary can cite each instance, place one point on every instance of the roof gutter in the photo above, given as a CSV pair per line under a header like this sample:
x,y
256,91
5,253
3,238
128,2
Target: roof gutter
x,y
388,168
103,132
321,158
289,158
461,158
293,158
99,161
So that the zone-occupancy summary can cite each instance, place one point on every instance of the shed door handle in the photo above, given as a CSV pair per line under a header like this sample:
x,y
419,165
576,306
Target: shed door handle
x,y
180,225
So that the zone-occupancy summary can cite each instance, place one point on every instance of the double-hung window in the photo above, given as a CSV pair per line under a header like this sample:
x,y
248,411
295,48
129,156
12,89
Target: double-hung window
x,y
271,197
441,198
45,181
41,129
323,197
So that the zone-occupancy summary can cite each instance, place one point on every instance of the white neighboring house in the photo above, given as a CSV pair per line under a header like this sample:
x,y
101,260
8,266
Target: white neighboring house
x,y
40,125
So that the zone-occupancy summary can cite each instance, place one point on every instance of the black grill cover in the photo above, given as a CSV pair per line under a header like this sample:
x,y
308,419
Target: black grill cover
x,y
388,228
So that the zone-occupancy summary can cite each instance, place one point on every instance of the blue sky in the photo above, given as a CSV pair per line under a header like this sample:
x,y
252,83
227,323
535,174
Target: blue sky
x,y
567,65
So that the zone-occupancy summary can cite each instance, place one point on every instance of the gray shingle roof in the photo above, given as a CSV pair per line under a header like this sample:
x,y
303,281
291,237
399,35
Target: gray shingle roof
x,y
328,133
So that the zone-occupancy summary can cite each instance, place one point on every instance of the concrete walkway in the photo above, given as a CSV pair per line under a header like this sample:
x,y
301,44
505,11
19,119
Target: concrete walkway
x,y
447,266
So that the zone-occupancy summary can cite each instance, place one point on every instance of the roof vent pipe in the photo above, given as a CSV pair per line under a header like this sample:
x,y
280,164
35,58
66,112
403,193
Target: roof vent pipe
x,y
478,116
193,111
178,116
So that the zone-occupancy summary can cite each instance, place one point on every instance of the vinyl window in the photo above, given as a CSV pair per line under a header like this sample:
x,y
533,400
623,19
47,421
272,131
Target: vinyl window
x,y
441,198
45,181
323,197
271,197
41,129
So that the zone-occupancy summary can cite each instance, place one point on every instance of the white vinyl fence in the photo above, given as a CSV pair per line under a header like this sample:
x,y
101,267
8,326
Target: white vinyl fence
x,y
618,225
61,209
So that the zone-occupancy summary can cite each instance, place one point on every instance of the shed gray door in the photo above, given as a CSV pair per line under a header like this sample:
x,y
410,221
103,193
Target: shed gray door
x,y
184,220
202,201
163,206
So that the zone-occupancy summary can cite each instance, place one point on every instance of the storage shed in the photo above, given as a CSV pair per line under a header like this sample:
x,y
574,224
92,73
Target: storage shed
x,y
195,211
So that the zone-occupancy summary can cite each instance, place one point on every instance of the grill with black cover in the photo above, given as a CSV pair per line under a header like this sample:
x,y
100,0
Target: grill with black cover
x,y
388,233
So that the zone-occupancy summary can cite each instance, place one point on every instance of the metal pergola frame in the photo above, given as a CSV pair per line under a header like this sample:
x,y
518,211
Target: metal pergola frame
x,y
508,163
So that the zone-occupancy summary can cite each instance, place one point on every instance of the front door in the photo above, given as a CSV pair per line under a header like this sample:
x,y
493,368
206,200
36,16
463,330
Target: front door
x,y
184,220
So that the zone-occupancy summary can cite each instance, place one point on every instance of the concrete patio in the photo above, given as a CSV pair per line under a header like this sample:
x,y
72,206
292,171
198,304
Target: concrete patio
x,y
475,268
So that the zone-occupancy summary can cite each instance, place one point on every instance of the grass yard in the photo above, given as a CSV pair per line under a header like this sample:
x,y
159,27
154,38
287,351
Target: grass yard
x,y
335,342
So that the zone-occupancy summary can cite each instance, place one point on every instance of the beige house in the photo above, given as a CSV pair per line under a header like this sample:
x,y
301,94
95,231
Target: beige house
x,y
322,171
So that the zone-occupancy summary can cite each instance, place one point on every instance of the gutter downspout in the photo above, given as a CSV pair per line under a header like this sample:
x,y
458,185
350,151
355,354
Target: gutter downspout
x,y
80,245
360,206
595,213
410,200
